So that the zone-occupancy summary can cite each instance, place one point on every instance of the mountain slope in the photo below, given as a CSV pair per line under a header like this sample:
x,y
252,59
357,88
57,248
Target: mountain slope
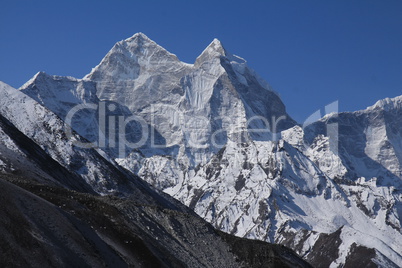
x,y
64,228
30,125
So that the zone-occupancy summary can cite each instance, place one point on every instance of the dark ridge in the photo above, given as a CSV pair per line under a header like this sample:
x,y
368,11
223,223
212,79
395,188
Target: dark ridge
x,y
48,226
325,249
360,256
257,253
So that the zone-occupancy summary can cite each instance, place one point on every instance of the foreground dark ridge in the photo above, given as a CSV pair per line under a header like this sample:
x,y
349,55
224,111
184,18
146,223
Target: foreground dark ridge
x,y
49,226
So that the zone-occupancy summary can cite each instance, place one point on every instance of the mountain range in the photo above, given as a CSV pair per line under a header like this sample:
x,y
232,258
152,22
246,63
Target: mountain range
x,y
112,154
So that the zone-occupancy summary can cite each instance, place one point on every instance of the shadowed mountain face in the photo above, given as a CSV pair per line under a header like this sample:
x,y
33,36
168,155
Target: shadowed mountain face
x,y
64,228
216,137
47,226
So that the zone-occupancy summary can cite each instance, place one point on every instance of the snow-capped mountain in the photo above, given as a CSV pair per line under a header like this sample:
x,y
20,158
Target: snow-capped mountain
x,y
175,100
217,137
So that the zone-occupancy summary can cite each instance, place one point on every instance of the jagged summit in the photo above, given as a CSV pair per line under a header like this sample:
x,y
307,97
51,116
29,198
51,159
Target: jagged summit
x,y
216,46
129,57
140,43
41,76
140,36
215,51
140,39
140,49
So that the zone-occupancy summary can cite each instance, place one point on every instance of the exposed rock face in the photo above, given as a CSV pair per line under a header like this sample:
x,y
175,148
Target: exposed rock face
x,y
216,137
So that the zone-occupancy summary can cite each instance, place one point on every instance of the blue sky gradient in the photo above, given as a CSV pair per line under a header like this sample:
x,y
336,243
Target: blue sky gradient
x,y
311,52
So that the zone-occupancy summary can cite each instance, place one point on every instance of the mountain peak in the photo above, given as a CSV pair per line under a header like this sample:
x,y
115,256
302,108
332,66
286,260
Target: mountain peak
x,y
139,38
137,43
43,77
37,76
140,35
213,51
217,46
130,56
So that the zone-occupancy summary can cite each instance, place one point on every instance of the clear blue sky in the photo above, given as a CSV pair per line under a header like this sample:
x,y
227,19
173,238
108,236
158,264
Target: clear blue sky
x,y
311,52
